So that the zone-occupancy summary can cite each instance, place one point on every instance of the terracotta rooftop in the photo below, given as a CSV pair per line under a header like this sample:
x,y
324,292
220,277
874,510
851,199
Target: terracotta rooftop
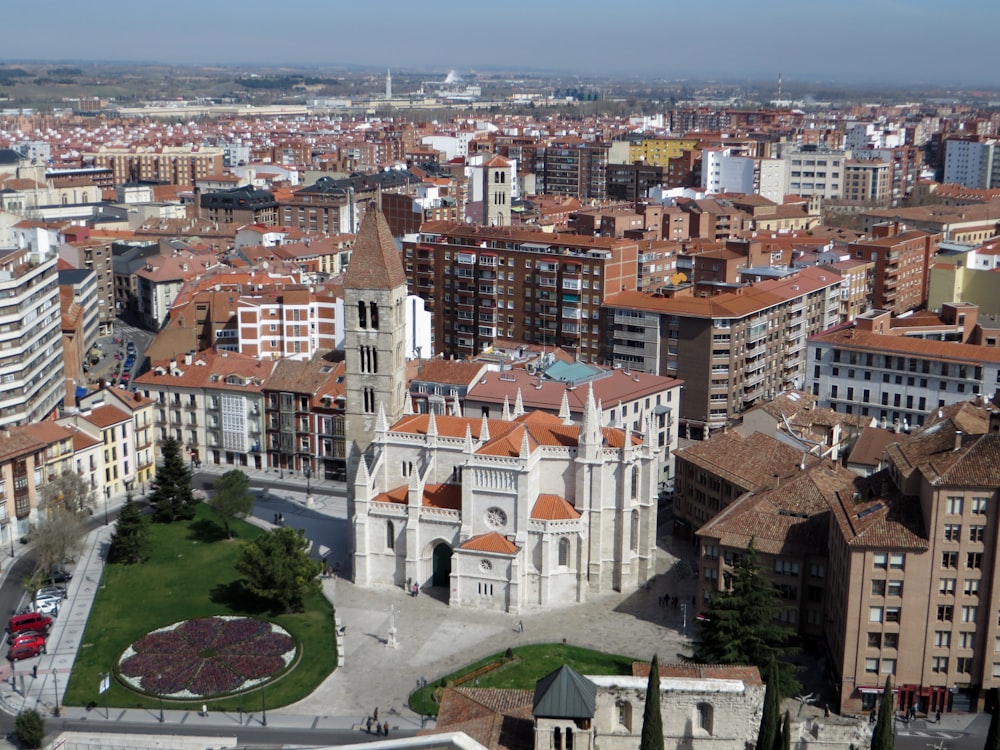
x,y
496,718
106,416
748,675
491,542
375,261
553,508
752,463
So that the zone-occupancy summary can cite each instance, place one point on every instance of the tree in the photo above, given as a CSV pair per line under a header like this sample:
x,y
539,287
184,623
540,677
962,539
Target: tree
x,y
128,545
172,497
882,736
30,728
785,742
276,566
58,538
652,719
231,498
769,734
993,735
68,490
739,626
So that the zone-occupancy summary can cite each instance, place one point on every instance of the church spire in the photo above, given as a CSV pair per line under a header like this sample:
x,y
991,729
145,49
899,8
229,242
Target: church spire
x,y
375,261
564,413
484,430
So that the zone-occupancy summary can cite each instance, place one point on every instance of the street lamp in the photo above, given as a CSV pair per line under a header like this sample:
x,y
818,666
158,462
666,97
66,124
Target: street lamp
x,y
308,472
159,695
10,535
107,496
55,684
263,708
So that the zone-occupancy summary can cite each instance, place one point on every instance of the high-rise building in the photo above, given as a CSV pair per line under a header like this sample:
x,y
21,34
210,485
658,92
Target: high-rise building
x,y
31,368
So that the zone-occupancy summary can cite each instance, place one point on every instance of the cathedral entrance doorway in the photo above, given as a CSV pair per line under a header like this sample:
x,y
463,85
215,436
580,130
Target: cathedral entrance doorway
x,y
442,565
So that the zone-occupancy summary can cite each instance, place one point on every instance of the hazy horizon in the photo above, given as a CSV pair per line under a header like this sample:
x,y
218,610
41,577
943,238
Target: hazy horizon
x,y
858,41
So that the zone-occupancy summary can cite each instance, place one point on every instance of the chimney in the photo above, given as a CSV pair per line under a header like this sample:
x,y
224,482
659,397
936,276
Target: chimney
x,y
958,439
188,358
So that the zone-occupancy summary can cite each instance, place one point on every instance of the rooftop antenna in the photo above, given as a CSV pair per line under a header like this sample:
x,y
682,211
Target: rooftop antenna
x,y
779,87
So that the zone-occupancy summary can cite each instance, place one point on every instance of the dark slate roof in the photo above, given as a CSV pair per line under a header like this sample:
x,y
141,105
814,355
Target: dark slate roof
x,y
375,262
362,182
564,694
74,275
10,156
239,197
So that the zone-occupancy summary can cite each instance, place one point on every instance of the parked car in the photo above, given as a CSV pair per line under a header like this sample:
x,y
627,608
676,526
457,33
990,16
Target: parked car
x,y
50,591
48,605
58,576
26,648
130,348
21,637
32,621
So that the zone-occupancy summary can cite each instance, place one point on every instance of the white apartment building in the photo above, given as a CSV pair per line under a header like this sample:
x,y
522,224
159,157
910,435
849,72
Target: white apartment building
x,y
971,163
814,171
724,172
31,367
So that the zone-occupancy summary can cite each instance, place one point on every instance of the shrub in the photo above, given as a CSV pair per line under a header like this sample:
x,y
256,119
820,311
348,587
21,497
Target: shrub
x,y
30,728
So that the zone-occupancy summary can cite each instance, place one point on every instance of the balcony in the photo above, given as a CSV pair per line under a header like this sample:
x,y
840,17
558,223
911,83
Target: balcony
x,y
488,289
572,313
573,285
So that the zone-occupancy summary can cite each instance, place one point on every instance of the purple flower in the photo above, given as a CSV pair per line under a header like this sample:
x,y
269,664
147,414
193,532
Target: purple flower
x,y
207,656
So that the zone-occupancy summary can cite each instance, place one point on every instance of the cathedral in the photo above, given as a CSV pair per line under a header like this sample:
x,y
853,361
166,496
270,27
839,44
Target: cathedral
x,y
509,514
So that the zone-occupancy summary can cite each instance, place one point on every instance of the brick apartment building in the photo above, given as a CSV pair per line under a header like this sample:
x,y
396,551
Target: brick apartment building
x,y
902,265
294,322
573,167
732,350
488,284
177,165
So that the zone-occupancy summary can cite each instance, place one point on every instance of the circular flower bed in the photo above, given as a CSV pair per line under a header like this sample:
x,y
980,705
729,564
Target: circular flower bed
x,y
206,657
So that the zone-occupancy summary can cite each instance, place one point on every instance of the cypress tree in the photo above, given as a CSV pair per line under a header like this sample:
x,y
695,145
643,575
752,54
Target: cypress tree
x,y
128,545
770,732
882,736
786,734
652,720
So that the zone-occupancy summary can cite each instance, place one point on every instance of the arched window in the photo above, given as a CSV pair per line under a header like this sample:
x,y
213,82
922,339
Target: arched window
x,y
362,315
374,310
374,362
564,552
569,738
635,482
705,717
624,714
635,530
390,535
557,738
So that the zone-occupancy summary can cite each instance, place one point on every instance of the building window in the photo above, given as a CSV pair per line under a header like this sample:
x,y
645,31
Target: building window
x,y
897,561
949,559
564,552
705,717
635,531
390,535
955,505
871,666
945,612
895,588
942,639
878,587
888,666
939,664
875,614
881,560
624,714
362,315
374,314
946,586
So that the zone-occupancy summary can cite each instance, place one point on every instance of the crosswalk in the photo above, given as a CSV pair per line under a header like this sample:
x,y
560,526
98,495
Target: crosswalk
x,y
932,735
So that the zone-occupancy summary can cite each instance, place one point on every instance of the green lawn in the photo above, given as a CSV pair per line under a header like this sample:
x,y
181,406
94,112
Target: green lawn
x,y
190,573
532,663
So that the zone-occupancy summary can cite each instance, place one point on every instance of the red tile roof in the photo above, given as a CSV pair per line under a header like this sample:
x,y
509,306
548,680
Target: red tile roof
x,y
375,261
491,542
553,508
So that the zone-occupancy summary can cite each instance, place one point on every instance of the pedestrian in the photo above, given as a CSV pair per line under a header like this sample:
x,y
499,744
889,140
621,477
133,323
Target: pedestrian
x,y
275,519
937,716
378,728
871,717
375,715
416,589
385,729
520,626
368,725
204,709
281,519
34,671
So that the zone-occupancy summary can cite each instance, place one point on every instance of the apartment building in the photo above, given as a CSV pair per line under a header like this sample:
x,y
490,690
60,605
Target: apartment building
x,y
572,166
867,182
912,560
902,373
294,321
787,524
658,151
299,438
972,162
139,409
82,253
486,284
239,205
969,224
724,172
176,165
732,350
31,368
815,171
160,280
22,476
902,265
212,404
336,206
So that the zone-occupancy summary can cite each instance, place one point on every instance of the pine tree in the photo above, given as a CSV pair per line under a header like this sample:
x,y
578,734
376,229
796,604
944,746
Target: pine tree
x,y
652,719
231,498
172,497
993,735
277,566
128,545
882,736
739,626
770,728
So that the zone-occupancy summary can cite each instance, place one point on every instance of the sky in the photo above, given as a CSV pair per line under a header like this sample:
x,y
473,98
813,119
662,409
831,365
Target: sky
x,y
910,42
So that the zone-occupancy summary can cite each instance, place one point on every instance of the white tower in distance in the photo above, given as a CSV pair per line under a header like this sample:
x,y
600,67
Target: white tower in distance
x,y
388,84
